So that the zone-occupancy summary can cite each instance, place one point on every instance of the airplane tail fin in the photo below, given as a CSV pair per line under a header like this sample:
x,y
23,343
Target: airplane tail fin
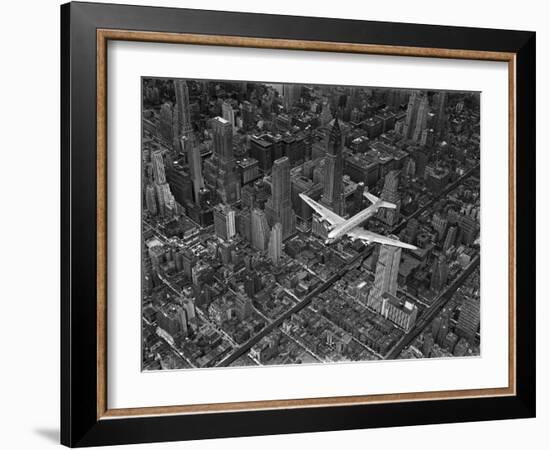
x,y
376,201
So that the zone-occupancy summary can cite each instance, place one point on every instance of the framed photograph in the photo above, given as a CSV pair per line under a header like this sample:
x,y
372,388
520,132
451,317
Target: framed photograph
x,y
276,224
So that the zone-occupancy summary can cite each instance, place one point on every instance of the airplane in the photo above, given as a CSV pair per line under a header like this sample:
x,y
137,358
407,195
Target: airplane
x,y
350,227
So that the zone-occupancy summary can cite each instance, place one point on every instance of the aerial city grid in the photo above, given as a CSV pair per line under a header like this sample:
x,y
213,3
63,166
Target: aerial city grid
x,y
300,224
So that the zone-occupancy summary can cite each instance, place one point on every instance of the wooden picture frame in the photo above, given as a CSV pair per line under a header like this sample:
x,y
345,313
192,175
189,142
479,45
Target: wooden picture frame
x,y
86,418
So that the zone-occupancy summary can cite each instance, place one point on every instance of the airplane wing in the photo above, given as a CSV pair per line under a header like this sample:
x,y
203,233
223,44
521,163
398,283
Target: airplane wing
x,y
369,236
376,201
325,213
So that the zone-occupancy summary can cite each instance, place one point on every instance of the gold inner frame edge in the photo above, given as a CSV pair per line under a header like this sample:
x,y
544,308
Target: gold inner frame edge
x,y
103,36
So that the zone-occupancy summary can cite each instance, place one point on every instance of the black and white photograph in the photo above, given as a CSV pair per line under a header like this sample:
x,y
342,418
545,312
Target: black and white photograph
x,y
275,225
302,224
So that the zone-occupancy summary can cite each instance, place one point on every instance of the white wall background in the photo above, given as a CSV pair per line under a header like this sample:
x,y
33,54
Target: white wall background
x,y
29,263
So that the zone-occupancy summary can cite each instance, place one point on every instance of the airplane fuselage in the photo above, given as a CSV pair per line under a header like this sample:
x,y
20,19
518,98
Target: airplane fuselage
x,y
353,222
339,226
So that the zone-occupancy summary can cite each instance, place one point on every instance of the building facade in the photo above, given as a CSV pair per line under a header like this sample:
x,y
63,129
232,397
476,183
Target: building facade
x,y
333,189
385,277
390,194
275,247
224,221
279,206
259,230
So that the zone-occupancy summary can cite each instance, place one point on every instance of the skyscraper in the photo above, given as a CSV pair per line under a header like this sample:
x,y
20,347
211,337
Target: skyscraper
x,y
439,223
468,319
469,227
166,123
276,243
221,166
150,201
291,94
172,319
166,202
224,221
390,194
259,230
440,114
159,175
243,224
450,238
385,277
182,101
195,171
189,261
440,272
165,199
223,138
333,189
417,116
421,119
228,113
279,206
190,312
